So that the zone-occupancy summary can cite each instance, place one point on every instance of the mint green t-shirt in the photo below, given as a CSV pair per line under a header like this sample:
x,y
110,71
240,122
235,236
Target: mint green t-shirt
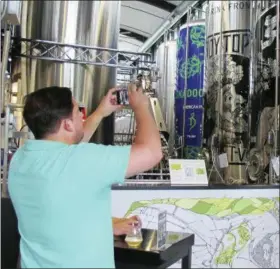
x,y
62,198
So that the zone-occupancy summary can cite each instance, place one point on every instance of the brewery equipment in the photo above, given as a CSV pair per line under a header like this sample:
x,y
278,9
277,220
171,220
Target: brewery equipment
x,y
264,95
227,87
63,43
166,62
88,23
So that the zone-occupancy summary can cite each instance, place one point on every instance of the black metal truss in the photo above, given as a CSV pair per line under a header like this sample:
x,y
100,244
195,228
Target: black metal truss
x,y
132,34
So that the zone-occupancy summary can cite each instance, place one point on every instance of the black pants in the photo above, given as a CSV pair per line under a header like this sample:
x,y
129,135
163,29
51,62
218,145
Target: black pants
x,y
9,235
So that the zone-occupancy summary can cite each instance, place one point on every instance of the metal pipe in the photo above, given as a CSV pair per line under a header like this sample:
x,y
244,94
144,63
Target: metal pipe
x,y
14,106
6,48
219,97
174,17
5,55
251,71
23,61
186,83
32,81
165,59
4,8
277,109
6,152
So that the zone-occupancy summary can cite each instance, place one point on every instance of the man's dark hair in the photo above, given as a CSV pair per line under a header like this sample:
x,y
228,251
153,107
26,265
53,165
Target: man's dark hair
x,y
45,108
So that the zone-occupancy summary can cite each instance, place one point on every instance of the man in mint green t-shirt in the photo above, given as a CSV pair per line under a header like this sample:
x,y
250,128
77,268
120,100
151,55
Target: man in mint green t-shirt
x,y
60,185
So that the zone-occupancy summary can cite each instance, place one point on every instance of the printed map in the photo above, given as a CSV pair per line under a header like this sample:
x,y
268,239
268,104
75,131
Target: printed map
x,y
229,233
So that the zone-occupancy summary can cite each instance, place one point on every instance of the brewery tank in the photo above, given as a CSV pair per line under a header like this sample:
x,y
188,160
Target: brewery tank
x,y
227,85
166,62
265,98
189,91
90,23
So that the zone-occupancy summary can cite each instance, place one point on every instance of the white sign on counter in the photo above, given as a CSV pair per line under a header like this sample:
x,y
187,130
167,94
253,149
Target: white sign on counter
x,y
188,172
275,165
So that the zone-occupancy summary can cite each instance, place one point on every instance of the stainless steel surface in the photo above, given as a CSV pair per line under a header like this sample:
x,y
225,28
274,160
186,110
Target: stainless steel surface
x,y
171,20
265,101
227,82
166,62
90,23
264,56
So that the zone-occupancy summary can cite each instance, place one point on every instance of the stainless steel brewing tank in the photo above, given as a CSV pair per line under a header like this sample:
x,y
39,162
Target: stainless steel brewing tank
x,y
91,23
227,82
264,57
265,96
166,62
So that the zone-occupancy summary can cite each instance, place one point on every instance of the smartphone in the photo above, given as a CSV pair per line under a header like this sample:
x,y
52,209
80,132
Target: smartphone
x,y
122,96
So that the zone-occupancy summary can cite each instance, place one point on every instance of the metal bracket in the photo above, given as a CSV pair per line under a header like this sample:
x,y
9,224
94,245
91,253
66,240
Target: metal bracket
x,y
156,109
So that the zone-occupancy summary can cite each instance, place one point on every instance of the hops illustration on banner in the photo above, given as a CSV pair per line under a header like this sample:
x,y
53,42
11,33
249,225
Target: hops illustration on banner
x,y
180,44
197,35
191,67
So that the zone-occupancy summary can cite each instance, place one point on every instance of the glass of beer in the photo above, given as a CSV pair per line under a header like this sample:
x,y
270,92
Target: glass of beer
x,y
134,238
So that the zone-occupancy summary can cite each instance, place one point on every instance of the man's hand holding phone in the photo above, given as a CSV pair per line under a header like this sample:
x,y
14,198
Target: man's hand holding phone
x,y
138,100
124,92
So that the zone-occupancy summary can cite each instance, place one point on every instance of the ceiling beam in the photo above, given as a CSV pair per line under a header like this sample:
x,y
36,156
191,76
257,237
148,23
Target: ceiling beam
x,y
132,34
173,18
167,6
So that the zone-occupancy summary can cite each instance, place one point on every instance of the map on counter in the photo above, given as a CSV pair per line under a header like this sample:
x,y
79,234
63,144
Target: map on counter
x,y
229,232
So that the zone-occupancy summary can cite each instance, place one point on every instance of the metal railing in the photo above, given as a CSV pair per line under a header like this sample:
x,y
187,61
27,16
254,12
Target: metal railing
x,y
124,135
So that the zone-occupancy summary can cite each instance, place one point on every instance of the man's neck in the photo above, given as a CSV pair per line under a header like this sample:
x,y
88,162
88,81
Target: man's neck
x,y
57,138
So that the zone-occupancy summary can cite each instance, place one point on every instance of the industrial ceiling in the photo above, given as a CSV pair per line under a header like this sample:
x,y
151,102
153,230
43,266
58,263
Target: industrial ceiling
x,y
140,19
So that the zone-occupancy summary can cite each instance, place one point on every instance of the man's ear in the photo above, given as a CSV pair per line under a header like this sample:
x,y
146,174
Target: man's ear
x,y
68,125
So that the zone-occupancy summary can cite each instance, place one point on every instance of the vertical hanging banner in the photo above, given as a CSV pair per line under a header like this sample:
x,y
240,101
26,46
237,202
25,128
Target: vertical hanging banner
x,y
189,88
